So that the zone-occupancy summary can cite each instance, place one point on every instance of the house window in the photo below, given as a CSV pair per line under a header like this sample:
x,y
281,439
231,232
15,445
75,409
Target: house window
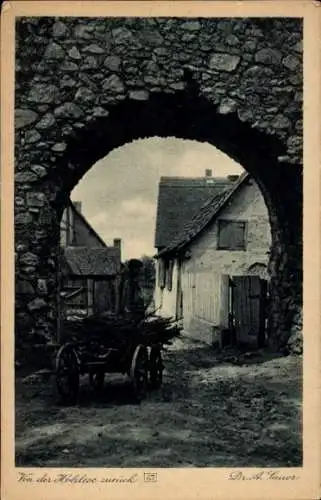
x,y
169,275
161,273
165,276
231,235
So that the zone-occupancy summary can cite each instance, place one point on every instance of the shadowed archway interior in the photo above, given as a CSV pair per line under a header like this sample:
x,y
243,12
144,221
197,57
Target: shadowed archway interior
x,y
183,110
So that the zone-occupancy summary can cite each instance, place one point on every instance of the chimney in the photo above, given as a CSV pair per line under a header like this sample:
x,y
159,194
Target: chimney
x,y
208,172
77,205
117,244
233,178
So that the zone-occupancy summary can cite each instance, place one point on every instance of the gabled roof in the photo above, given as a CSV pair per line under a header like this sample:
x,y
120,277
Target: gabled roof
x,y
208,212
86,223
179,199
92,262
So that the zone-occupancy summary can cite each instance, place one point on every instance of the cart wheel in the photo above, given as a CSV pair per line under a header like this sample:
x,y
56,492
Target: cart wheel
x,y
155,368
67,374
97,380
139,372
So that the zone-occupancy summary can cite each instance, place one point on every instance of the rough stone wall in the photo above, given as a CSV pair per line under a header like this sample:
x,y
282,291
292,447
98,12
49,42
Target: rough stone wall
x,y
82,67
86,86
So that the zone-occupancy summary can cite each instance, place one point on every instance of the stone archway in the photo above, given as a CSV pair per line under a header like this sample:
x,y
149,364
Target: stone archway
x,y
95,84
258,269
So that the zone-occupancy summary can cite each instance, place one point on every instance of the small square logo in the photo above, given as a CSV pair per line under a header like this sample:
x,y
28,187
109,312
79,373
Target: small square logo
x,y
150,477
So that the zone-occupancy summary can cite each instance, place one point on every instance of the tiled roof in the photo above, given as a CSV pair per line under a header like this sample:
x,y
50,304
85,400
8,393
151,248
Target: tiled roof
x,y
203,217
83,261
179,199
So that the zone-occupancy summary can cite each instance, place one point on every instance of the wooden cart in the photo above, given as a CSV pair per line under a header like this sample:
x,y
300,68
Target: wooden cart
x,y
99,346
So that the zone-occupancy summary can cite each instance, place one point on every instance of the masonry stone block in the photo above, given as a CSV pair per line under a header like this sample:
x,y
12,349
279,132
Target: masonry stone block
x,y
227,106
224,62
68,110
43,93
191,26
139,95
29,259
69,66
291,62
112,63
93,49
74,53
42,287
37,304
85,95
83,31
67,81
24,177
100,112
46,122
24,118
32,136
59,147
59,29
113,84
268,56
35,199
39,170
54,52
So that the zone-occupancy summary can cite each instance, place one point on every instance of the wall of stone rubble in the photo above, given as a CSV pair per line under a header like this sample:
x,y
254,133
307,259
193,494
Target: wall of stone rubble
x,y
72,71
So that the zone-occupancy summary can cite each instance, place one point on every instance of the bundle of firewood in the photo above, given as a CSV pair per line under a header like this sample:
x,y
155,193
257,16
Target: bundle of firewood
x,y
113,329
156,329
96,327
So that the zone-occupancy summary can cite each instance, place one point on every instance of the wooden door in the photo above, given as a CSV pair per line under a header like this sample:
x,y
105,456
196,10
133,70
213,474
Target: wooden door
x,y
248,309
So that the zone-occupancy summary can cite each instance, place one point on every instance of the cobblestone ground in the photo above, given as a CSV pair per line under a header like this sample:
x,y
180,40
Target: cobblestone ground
x,y
210,412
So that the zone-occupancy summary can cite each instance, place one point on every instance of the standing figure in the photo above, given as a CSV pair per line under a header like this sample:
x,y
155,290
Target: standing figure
x,y
130,302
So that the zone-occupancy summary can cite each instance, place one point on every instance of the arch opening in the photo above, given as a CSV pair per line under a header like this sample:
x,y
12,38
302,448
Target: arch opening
x,y
186,115
232,97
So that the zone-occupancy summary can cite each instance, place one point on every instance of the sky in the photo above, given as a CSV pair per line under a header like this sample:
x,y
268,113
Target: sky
x,y
119,192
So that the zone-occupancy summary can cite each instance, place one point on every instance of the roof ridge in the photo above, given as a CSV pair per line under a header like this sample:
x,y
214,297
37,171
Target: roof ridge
x,y
187,232
91,249
195,177
86,222
205,180
179,199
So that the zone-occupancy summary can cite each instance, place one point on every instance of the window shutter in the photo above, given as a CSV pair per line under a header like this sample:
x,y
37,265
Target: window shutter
x,y
231,235
224,235
161,273
239,236
170,275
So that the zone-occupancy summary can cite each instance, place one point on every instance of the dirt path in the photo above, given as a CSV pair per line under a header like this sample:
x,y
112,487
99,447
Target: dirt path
x,y
208,413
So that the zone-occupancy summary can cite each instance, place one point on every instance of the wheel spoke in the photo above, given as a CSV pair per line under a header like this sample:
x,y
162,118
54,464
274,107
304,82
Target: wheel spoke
x,y
156,368
139,371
